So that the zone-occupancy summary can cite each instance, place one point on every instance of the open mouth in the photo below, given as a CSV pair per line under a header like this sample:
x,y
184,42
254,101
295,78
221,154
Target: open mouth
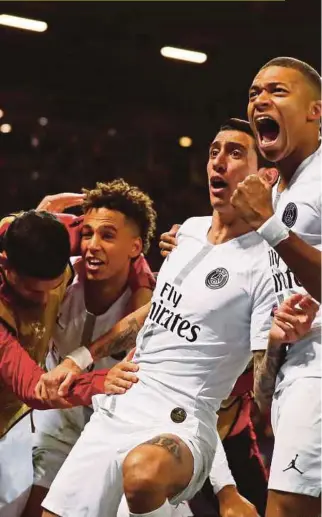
x,y
94,262
268,129
218,183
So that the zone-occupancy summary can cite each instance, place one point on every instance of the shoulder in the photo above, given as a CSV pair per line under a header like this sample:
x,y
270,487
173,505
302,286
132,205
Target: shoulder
x,y
257,257
194,226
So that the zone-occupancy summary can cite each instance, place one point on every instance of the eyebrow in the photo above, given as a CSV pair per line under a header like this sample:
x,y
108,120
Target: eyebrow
x,y
229,145
257,86
101,227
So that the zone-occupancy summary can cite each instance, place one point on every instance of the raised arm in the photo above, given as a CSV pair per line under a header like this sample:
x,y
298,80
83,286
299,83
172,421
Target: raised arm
x,y
253,200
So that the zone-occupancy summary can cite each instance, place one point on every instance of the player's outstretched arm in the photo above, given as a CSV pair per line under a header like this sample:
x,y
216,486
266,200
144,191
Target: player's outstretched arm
x,y
55,387
291,322
20,373
121,337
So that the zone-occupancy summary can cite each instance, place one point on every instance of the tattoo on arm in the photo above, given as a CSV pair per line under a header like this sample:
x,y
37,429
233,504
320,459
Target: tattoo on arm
x,y
266,367
170,444
109,344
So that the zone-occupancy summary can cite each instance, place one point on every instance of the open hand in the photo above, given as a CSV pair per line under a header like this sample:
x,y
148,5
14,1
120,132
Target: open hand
x,y
59,202
293,319
122,376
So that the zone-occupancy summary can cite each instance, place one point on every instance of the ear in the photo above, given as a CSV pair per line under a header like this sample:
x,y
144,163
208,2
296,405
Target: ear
x,y
136,247
269,175
315,111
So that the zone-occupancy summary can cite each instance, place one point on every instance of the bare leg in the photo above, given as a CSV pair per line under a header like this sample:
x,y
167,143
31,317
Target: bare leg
x,y
46,513
33,507
286,504
156,471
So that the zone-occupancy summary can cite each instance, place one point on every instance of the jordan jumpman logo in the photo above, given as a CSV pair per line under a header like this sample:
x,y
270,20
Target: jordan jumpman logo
x,y
292,465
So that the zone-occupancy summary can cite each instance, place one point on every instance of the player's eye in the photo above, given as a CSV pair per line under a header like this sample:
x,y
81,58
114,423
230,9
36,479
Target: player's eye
x,y
278,89
86,235
213,153
252,94
236,154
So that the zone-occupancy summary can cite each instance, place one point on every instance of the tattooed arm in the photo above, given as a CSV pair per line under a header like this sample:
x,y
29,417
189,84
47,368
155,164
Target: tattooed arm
x,y
120,337
292,321
266,366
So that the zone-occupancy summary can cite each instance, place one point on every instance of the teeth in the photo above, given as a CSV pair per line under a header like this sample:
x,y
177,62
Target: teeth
x,y
94,262
263,118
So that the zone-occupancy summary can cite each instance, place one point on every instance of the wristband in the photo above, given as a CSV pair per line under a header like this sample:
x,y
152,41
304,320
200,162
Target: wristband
x,y
273,231
82,357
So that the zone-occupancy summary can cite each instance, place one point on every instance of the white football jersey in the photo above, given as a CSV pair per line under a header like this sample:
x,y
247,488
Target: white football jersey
x,y
76,327
211,307
299,207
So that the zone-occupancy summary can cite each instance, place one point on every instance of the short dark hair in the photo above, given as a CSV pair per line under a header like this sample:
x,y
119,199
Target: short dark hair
x,y
237,124
37,245
310,74
127,199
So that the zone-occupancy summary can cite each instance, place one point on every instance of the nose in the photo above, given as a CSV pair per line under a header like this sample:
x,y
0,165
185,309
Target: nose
x,y
219,163
262,100
94,242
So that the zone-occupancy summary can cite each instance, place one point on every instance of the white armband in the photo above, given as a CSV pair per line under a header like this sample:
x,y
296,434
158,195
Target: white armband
x,y
220,474
273,231
82,357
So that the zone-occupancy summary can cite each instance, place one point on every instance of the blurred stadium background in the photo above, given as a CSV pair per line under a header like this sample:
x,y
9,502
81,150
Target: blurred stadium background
x,y
92,98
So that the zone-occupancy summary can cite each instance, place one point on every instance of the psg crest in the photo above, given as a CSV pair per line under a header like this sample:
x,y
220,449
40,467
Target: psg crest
x,y
290,215
217,278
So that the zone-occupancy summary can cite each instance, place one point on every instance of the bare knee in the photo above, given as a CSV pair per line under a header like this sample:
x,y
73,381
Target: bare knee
x,y
142,474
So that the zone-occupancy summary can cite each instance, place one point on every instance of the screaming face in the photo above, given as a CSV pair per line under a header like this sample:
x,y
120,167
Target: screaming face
x,y
279,108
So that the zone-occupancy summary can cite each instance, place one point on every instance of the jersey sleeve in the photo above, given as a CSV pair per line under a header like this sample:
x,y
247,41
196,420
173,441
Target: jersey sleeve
x,y
141,275
21,374
17,370
263,303
185,228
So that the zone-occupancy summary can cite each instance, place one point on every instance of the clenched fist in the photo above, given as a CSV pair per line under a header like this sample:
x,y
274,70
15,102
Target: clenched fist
x,y
253,200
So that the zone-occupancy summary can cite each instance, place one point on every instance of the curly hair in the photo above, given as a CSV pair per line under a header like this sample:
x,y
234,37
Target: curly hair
x,y
127,199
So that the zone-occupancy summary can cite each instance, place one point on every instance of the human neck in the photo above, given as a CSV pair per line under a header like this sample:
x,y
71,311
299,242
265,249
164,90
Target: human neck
x,y
289,165
225,227
100,295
